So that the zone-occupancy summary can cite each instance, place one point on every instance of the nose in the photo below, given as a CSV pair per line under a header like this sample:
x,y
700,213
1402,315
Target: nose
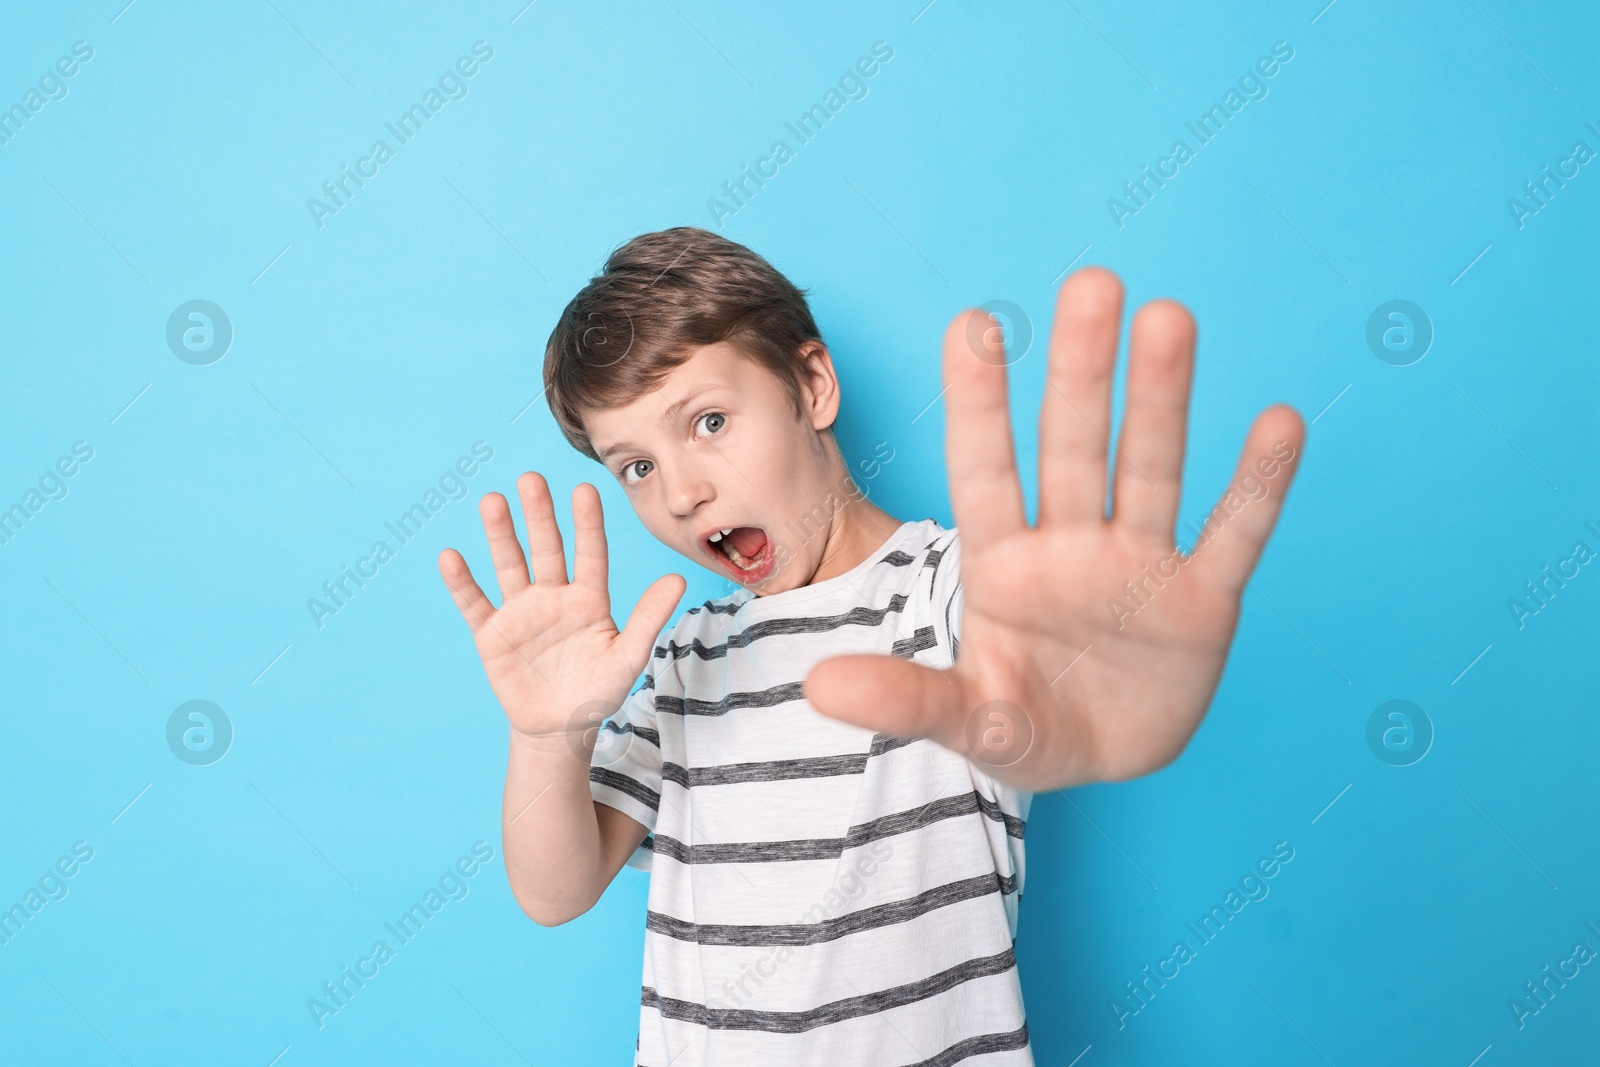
x,y
687,487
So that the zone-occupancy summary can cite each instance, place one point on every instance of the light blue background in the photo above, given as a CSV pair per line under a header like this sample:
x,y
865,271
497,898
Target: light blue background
x,y
371,353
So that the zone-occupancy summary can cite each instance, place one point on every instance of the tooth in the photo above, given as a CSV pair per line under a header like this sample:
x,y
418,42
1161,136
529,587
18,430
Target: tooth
x,y
728,531
717,536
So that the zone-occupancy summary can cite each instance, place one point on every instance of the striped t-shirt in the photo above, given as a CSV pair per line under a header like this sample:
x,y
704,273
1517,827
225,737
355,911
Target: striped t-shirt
x,y
819,894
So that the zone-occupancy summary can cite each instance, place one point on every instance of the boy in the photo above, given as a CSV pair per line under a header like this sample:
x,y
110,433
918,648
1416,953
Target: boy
x,y
828,771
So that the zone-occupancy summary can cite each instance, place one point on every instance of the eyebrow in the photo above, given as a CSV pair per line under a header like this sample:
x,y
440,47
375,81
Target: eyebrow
x,y
666,416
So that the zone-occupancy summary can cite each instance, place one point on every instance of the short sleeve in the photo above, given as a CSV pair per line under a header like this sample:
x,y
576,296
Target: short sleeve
x,y
625,767
944,592
1013,803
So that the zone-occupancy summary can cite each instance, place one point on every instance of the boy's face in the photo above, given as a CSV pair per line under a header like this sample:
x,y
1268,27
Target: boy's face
x,y
719,446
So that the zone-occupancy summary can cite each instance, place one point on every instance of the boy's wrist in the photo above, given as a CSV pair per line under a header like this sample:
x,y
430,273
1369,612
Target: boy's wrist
x,y
561,745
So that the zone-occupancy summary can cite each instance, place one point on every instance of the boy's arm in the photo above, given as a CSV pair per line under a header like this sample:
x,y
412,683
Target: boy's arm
x,y
555,659
1090,645
561,847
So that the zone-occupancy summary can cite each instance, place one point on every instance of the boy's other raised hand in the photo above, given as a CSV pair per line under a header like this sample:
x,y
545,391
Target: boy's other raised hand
x,y
1090,646
551,650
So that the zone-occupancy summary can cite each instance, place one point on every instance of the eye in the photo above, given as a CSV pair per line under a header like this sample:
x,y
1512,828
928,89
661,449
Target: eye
x,y
722,420
630,467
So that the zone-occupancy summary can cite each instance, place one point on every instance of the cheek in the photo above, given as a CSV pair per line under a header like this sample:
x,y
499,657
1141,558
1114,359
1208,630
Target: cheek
x,y
798,470
794,455
652,516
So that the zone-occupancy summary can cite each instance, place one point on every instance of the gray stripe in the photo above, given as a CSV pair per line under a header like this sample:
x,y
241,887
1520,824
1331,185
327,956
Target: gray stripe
x,y
884,743
907,647
623,784
765,698
798,1022
772,770
978,1046
815,624
931,562
821,848
1014,826
955,641
641,731
815,933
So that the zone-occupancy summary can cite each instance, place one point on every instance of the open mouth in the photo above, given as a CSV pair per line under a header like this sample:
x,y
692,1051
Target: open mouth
x,y
745,552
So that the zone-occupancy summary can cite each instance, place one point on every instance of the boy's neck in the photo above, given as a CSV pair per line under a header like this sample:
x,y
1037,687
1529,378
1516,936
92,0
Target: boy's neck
x,y
857,530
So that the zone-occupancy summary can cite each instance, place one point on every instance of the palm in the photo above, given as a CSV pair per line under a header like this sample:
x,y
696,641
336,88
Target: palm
x,y
551,652
536,633
1054,686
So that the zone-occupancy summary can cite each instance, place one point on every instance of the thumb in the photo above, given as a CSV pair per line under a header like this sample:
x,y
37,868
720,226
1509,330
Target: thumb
x,y
890,695
650,616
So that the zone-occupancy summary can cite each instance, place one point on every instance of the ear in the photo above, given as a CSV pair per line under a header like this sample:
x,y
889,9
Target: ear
x,y
819,385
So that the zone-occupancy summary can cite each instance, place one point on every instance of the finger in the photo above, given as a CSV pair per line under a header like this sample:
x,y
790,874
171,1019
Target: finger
x,y
1233,536
589,561
985,495
505,551
474,606
1149,465
650,616
1075,417
889,694
544,536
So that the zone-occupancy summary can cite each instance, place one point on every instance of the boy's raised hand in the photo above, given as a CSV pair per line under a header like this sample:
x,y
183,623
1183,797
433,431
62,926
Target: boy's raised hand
x,y
1062,676
552,653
